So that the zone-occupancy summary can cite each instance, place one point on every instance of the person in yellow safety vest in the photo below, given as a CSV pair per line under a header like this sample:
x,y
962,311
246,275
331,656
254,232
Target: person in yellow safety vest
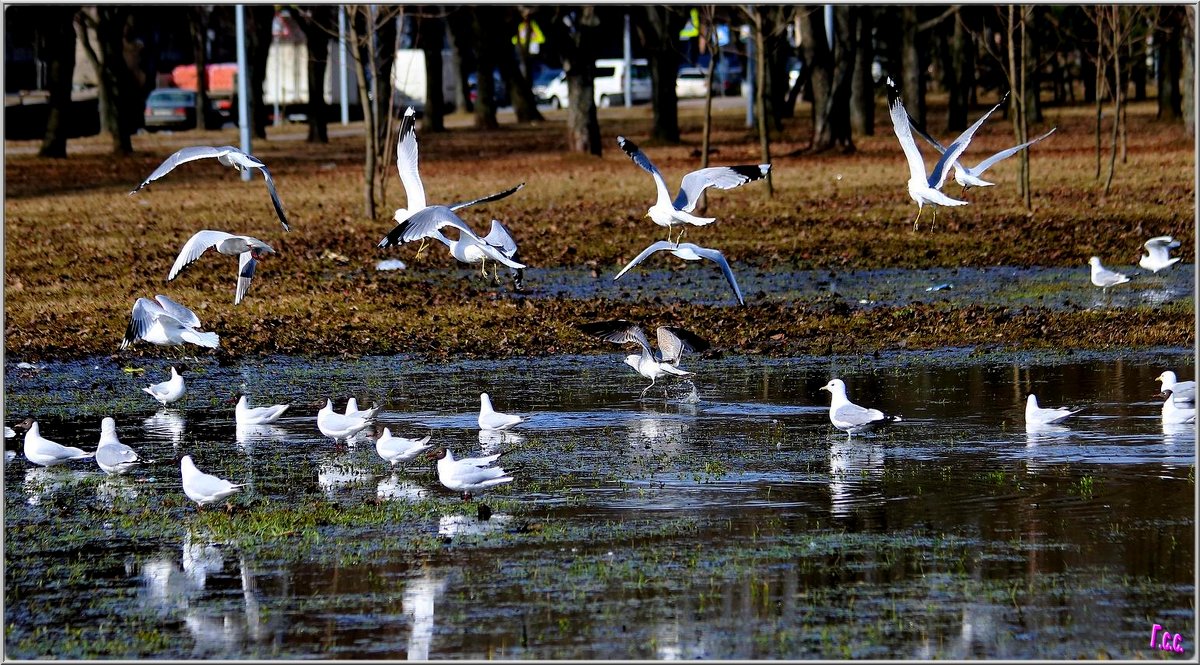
x,y
522,36
692,29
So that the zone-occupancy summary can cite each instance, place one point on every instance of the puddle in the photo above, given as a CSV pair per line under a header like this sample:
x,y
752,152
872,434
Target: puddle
x,y
740,525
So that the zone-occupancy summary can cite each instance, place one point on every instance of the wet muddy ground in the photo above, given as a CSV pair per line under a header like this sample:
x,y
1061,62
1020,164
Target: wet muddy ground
x,y
728,521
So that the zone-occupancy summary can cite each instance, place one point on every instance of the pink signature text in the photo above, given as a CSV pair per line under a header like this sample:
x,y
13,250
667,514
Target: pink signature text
x,y
1165,640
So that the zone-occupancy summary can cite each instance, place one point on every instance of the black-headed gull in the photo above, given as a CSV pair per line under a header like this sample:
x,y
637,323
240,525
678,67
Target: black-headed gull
x,y
338,426
490,419
1182,391
112,456
1158,253
1036,415
228,156
668,212
171,390
244,414
672,342
972,176
44,452
1103,277
688,252
164,322
395,449
926,190
468,475
202,487
353,411
848,416
248,250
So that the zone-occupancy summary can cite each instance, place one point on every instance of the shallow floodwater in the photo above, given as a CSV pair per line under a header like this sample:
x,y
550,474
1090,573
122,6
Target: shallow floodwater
x,y
731,521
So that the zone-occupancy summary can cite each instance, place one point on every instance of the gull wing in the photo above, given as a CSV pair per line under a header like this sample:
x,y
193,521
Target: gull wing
x,y
618,331
194,247
938,176
246,264
275,198
184,155
718,258
672,342
184,315
856,415
1161,244
487,199
658,246
427,223
920,129
916,166
721,177
406,161
1004,154
635,153
145,312
114,454
499,237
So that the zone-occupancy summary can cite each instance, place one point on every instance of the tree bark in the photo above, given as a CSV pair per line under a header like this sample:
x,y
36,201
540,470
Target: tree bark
x,y
912,85
258,42
431,34
764,138
575,30
370,135
57,37
1188,94
118,90
485,87
818,62
658,29
862,84
198,25
1170,63
317,23
459,23
503,23
962,74
1117,34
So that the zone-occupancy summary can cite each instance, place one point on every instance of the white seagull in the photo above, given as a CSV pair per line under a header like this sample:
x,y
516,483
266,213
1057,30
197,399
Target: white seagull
x,y
499,239
244,414
421,221
202,487
338,426
1035,415
1158,253
112,456
45,452
688,252
678,212
1183,391
226,155
489,419
164,322
1103,277
848,416
925,190
395,449
171,390
672,342
972,176
353,412
248,250
468,475
1178,412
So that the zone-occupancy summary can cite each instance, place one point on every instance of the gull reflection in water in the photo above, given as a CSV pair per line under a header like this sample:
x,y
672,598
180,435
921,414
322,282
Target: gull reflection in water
x,y
394,487
469,525
420,595
110,489
42,482
1178,432
658,432
850,462
167,425
334,476
494,441
248,435
1037,434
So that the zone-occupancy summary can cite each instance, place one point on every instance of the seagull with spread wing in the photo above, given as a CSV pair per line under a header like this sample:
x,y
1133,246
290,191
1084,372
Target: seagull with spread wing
x,y
1158,253
164,322
248,250
678,212
972,176
672,342
688,252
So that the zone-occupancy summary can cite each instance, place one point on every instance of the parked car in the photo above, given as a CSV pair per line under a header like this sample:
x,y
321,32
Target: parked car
x,y
608,85
542,80
175,108
690,83
501,90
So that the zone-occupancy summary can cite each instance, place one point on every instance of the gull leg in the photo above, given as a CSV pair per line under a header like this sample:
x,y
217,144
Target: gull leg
x,y
934,224
648,387
483,268
682,230
920,209
421,249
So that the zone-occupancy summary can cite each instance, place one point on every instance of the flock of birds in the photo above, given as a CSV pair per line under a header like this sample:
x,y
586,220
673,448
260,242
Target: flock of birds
x,y
163,321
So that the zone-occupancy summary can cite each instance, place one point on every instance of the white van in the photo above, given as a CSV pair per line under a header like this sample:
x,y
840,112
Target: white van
x,y
609,84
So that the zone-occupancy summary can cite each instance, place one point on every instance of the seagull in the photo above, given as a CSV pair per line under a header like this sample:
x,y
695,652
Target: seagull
x,y
688,252
164,322
489,419
848,416
202,487
244,414
396,449
171,390
672,342
248,250
338,426
226,155
421,221
1103,277
499,239
921,189
1157,256
1184,391
668,213
1178,412
1035,415
45,452
353,412
9,432
971,176
113,456
468,475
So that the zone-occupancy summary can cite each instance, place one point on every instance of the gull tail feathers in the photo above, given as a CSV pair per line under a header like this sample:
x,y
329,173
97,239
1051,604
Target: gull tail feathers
x,y
205,339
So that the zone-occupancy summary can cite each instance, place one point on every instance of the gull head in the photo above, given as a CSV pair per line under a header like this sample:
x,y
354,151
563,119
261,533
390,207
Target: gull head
x,y
108,425
401,215
632,361
437,454
835,386
1094,261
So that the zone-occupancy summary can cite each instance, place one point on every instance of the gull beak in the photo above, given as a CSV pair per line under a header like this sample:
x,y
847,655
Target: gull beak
x,y
646,215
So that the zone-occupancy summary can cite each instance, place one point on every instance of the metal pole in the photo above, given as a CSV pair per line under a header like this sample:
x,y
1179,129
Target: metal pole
x,y
628,55
829,26
342,55
243,83
751,80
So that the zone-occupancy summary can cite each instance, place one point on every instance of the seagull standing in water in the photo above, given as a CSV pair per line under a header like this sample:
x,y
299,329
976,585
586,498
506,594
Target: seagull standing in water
x,y
226,155
848,416
470,474
112,456
164,322
688,252
678,212
244,414
672,342
248,250
1158,253
1103,277
395,449
171,390
352,410
1036,415
44,452
926,190
202,487
338,426
490,419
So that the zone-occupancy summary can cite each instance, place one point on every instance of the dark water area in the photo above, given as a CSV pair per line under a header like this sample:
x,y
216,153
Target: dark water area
x,y
728,519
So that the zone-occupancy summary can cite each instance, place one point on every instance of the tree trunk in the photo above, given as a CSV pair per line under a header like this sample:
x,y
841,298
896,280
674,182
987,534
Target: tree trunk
x,y
258,42
575,32
459,23
431,36
317,25
1188,94
1030,77
962,74
862,85
118,89
198,24
1101,64
712,48
1170,63
57,38
1117,34
764,138
369,134
503,24
658,31
485,87
913,79
818,62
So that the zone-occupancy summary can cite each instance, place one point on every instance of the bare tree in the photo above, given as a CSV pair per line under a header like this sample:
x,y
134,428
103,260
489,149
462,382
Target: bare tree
x,y
575,31
1168,39
431,35
198,25
862,85
486,56
658,27
120,92
56,35
318,23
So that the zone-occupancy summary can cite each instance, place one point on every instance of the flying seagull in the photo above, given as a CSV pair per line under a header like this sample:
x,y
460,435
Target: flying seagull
x,y
227,155
688,252
165,322
972,176
672,342
248,250
1158,253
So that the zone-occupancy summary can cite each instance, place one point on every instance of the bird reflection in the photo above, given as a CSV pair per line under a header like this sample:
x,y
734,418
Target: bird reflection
x,y
248,435
848,460
110,489
658,432
1178,432
166,424
393,487
450,526
334,476
492,441
43,482
420,595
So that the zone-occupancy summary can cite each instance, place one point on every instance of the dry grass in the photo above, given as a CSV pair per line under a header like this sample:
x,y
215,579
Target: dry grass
x,y
79,251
